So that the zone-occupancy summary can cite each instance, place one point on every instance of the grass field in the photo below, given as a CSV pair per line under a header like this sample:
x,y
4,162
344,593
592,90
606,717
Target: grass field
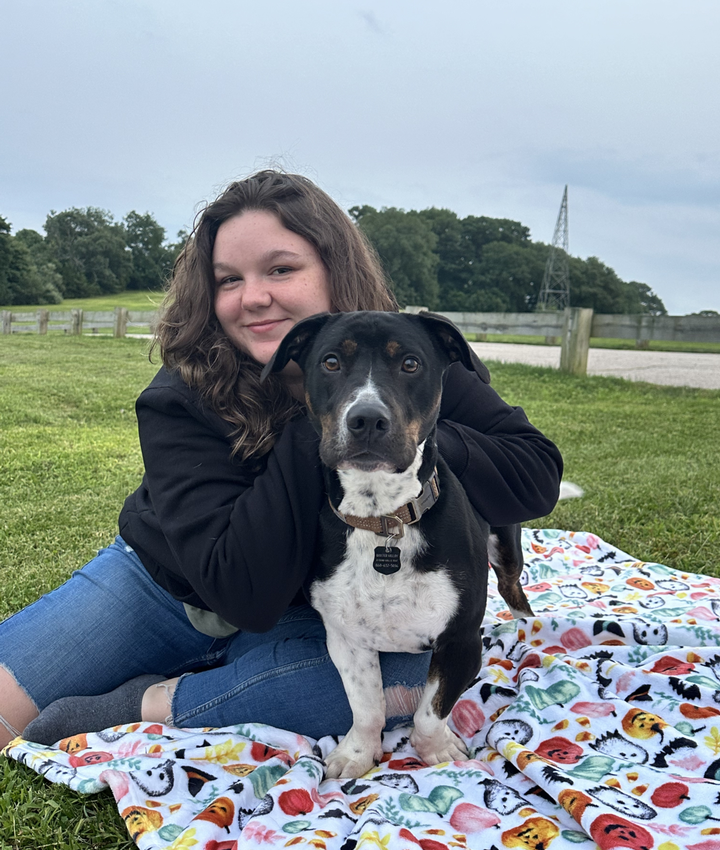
x,y
644,455
132,299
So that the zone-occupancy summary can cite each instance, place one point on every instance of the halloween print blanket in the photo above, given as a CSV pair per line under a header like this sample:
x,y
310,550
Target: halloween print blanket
x,y
594,724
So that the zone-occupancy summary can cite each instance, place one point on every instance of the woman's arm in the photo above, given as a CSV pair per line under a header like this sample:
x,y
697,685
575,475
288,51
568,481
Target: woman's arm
x,y
243,542
510,471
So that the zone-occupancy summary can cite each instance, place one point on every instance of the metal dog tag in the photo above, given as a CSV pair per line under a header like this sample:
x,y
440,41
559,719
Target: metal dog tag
x,y
386,560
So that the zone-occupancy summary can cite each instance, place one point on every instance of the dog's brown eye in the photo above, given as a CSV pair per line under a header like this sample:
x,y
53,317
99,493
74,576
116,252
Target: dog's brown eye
x,y
410,364
331,363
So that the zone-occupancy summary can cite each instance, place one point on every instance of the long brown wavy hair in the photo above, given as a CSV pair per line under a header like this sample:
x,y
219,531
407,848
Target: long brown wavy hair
x,y
190,337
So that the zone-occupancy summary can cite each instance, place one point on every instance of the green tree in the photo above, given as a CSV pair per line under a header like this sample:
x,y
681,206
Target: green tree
x,y
151,258
18,274
29,283
90,251
650,302
405,245
35,243
176,247
45,283
514,271
455,266
22,281
481,231
466,285
5,251
593,284
485,264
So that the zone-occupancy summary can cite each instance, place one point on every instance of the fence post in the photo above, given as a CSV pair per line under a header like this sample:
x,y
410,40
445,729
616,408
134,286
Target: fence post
x,y
644,332
7,321
76,322
575,340
121,319
42,321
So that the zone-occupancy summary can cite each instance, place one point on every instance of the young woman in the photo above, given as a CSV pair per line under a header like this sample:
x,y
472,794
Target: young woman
x,y
195,616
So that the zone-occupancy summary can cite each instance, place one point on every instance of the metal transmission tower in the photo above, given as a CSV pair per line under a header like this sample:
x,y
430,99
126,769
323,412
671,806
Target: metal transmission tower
x,y
555,291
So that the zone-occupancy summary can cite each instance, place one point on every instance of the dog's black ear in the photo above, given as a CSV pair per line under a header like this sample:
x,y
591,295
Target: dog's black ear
x,y
294,343
455,344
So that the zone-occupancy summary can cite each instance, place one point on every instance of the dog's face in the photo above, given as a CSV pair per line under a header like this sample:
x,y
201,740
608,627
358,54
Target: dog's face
x,y
373,382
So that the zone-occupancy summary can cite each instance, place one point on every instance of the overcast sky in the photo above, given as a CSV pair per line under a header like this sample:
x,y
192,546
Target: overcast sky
x,y
484,107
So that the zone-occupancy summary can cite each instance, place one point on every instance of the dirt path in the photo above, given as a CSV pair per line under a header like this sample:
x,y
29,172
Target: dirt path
x,y
657,367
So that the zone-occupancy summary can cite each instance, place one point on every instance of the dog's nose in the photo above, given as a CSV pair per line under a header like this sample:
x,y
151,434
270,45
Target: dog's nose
x,y
367,420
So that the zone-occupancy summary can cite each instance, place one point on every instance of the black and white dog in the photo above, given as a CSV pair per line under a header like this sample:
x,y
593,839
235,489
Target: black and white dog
x,y
404,561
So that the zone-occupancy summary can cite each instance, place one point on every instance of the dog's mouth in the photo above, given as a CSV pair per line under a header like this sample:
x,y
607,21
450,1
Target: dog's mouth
x,y
367,462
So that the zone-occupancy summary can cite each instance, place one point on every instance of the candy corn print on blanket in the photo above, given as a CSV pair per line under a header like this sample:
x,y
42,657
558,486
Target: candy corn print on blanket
x,y
594,724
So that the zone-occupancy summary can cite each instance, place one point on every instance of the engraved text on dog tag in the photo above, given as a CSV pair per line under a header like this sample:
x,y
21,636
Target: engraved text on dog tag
x,y
386,560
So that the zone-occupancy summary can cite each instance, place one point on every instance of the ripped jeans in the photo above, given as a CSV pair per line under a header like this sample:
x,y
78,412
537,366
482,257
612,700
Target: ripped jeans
x,y
111,622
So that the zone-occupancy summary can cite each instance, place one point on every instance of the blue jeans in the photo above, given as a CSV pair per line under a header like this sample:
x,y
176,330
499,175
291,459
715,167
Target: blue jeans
x,y
111,622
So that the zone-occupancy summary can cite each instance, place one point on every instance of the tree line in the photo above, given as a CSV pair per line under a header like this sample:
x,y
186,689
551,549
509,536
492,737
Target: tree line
x,y
478,264
432,257
84,253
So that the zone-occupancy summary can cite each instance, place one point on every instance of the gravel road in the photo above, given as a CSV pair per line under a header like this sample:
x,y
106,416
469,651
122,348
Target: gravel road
x,y
656,367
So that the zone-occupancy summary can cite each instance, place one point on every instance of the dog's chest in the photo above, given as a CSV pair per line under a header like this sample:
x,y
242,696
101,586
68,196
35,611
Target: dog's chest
x,y
401,612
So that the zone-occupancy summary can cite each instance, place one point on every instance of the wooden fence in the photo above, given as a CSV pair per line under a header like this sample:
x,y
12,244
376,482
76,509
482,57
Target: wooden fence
x,y
77,322
571,328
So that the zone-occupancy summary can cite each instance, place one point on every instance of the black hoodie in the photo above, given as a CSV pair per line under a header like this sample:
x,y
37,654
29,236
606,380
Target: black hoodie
x,y
239,538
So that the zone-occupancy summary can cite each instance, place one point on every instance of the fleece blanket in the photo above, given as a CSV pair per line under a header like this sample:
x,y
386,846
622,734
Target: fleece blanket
x,y
594,724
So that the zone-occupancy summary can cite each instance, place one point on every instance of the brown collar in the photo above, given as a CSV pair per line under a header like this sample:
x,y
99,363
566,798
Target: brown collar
x,y
393,525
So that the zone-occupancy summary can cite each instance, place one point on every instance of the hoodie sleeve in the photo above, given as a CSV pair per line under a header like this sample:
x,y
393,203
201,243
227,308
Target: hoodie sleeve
x,y
244,541
510,470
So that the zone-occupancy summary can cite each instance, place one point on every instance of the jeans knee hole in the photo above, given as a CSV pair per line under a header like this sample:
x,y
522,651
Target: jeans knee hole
x,y
401,701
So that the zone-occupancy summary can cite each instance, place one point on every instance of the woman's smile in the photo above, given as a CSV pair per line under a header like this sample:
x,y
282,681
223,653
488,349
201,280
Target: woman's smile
x,y
262,327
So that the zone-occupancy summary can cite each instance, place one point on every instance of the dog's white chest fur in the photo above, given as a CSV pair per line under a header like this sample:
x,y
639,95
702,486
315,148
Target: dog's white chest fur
x,y
401,612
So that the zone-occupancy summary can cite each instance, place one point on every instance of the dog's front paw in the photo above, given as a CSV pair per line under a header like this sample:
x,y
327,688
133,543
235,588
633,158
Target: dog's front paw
x,y
353,757
443,746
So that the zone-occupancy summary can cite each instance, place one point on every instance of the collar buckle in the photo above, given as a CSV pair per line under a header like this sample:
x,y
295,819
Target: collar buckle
x,y
392,526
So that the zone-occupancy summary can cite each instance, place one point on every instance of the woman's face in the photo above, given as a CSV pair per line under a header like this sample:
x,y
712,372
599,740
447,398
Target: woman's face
x,y
267,279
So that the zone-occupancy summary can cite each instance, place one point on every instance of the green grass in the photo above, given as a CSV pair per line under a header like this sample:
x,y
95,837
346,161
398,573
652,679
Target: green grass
x,y
36,815
132,299
658,345
70,455
645,455
68,439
